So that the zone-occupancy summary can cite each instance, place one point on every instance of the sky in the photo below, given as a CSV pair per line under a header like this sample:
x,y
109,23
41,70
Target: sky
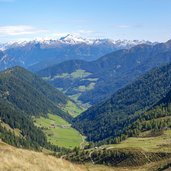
x,y
115,19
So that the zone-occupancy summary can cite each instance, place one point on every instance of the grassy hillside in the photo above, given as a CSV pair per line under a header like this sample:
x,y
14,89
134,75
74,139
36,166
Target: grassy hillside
x,y
66,82
136,153
72,108
13,159
58,131
147,142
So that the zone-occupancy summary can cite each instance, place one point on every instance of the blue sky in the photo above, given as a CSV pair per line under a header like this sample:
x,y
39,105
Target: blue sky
x,y
116,19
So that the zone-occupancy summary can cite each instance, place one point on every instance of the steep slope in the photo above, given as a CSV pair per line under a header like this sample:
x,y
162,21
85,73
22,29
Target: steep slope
x,y
4,61
18,160
110,117
155,122
144,142
18,129
23,96
91,82
39,54
31,94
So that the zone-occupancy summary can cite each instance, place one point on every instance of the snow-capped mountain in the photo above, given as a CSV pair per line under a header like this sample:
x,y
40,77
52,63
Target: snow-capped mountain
x,y
4,46
40,53
73,40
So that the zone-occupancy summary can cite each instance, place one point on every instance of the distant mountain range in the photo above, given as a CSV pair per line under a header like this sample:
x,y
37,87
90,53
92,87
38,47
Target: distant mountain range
x,y
39,54
91,82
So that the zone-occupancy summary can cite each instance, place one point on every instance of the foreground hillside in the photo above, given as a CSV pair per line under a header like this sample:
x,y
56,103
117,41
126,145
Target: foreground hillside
x,y
136,153
90,82
13,159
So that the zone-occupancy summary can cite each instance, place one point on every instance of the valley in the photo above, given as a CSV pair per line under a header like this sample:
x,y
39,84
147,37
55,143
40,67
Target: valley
x,y
130,130
58,131
89,83
126,106
25,96
85,85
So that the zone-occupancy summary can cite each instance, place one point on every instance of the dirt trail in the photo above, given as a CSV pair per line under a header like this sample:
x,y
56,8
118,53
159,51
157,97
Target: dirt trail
x,y
82,143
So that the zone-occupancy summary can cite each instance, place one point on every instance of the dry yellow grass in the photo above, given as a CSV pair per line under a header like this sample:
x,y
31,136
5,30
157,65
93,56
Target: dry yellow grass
x,y
14,159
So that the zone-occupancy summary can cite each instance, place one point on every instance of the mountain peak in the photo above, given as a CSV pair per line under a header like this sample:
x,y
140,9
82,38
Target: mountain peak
x,y
73,39
168,43
68,36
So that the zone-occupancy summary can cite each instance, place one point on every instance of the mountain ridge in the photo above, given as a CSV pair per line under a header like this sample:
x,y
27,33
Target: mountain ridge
x,y
97,80
38,54
75,39
110,116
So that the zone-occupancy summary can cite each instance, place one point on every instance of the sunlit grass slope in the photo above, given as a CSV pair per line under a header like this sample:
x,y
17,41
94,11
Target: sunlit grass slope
x,y
160,143
14,159
58,131
73,109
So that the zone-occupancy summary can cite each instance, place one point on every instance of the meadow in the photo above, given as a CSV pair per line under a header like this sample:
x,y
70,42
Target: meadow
x,y
58,131
160,143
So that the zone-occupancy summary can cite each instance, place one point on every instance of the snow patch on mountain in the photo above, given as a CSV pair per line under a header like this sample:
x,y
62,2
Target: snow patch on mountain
x,y
75,40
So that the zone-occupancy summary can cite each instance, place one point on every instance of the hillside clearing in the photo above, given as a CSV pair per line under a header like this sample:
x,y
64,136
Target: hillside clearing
x,y
73,109
160,143
58,131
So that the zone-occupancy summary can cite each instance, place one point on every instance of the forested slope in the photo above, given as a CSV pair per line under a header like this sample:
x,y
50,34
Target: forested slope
x,y
108,119
91,82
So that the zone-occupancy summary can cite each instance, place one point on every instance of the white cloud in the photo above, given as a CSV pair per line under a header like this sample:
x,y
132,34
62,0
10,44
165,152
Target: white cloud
x,y
26,32
19,30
